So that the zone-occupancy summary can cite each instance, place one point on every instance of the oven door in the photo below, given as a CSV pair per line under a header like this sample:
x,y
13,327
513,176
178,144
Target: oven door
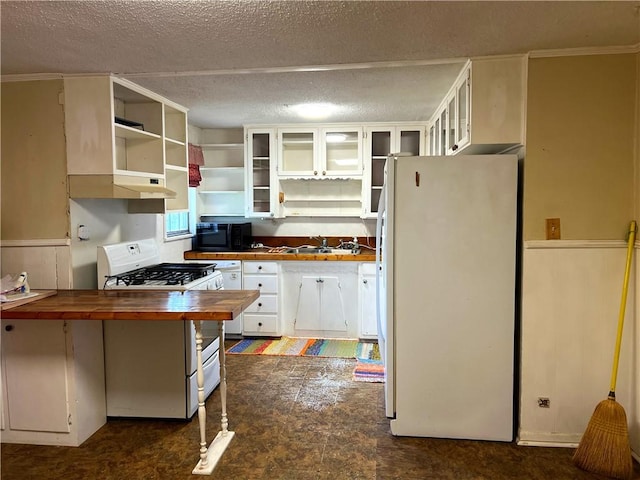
x,y
210,338
210,343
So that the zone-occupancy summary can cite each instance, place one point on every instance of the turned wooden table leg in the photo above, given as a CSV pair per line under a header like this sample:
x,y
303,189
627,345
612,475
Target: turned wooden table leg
x,y
209,457
202,412
223,380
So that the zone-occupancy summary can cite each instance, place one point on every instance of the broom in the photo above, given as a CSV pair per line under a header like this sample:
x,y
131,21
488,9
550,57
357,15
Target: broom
x,y
604,448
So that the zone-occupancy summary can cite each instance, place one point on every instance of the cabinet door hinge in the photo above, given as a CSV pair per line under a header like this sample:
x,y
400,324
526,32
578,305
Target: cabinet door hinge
x,y
64,327
69,420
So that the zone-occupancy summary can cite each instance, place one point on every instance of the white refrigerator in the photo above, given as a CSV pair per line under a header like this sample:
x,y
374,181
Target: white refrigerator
x,y
446,295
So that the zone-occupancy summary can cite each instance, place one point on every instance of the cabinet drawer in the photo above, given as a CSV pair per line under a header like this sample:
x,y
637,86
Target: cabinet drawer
x,y
264,324
265,304
264,283
260,267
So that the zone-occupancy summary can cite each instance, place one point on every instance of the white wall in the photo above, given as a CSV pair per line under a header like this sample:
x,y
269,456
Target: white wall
x,y
570,305
108,221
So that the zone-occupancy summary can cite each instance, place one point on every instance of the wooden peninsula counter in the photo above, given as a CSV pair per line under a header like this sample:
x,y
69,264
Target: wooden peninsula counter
x,y
154,305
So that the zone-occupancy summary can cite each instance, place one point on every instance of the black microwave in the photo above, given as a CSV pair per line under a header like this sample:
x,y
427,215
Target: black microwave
x,y
222,237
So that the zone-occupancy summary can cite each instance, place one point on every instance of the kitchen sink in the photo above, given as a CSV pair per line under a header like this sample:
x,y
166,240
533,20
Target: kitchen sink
x,y
321,250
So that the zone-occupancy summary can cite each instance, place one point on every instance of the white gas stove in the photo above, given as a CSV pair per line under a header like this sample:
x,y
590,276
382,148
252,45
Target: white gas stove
x,y
151,365
137,265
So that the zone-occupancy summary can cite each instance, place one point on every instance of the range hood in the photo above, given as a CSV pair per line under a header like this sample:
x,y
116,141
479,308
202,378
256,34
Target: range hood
x,y
118,186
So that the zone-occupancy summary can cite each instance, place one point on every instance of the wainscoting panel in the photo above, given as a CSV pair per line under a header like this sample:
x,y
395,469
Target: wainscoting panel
x,y
571,295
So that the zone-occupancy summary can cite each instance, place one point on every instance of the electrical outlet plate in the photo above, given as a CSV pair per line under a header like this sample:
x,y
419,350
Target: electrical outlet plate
x,y
553,228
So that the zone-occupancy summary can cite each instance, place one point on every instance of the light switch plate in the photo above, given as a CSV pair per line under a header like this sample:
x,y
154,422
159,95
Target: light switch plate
x,y
553,228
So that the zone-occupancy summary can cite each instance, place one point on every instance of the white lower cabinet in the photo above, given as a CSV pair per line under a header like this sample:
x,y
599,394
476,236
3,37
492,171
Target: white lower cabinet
x,y
261,318
52,381
319,299
367,301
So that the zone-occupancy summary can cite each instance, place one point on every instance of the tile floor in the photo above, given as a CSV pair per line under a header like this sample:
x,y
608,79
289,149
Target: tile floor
x,y
294,418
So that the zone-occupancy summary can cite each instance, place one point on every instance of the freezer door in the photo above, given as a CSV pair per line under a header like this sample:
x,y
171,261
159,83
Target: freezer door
x,y
453,255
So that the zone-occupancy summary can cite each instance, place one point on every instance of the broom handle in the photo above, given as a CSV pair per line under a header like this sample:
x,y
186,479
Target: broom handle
x,y
623,303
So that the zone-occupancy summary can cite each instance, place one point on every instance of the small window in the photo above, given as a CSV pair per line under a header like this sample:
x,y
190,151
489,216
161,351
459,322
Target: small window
x,y
183,223
177,224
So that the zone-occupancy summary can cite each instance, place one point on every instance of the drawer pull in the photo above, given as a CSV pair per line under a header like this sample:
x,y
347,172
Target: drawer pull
x,y
259,285
259,324
259,304
8,328
260,267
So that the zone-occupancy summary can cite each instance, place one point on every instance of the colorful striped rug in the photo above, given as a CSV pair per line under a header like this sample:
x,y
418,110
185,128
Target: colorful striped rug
x,y
371,371
309,347
368,368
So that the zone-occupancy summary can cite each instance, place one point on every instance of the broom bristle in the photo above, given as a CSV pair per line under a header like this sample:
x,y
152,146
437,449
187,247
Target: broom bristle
x,y
604,448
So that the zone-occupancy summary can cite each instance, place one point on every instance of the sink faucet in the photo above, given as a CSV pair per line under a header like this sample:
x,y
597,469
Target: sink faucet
x,y
322,240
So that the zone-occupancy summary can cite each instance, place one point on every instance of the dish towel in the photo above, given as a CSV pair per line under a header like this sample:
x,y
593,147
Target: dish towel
x,y
196,160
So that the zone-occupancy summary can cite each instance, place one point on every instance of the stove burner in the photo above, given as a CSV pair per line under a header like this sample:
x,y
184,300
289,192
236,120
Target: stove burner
x,y
165,274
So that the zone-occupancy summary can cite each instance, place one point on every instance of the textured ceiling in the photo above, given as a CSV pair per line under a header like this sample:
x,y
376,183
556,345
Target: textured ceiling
x,y
243,62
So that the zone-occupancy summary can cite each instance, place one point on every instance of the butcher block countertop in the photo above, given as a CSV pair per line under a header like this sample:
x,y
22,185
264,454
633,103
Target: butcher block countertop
x,y
136,305
23,299
259,255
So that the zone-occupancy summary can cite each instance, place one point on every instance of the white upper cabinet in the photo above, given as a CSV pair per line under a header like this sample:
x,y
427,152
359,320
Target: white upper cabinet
x,y
306,152
222,189
380,141
483,111
341,152
298,154
124,141
284,162
261,173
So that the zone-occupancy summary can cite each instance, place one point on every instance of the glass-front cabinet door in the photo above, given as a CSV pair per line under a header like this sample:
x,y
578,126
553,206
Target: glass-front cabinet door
x,y
451,125
463,97
260,173
412,140
433,136
436,137
298,152
341,153
443,133
379,146
379,143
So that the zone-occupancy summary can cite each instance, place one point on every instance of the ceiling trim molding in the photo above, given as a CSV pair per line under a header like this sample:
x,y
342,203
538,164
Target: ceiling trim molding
x,y
300,68
27,77
574,52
